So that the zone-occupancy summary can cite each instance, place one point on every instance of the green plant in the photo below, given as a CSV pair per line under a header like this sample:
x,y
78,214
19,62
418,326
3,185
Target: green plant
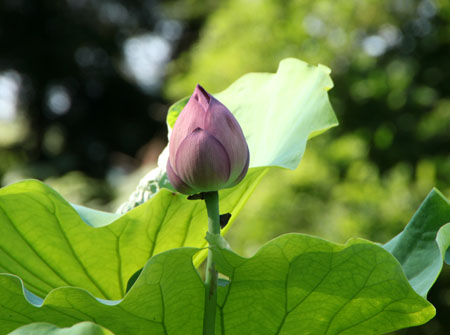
x,y
137,272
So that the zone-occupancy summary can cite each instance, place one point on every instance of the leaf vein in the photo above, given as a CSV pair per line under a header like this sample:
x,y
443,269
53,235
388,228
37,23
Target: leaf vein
x,y
78,260
349,300
158,230
19,233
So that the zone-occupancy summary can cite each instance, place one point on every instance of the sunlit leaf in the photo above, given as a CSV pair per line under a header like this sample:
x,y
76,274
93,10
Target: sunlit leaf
x,y
298,284
278,112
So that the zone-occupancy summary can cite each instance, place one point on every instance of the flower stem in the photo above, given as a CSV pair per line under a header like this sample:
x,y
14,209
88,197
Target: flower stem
x,y
209,319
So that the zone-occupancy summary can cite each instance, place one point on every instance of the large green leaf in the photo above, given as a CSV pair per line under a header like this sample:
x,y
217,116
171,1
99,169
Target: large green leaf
x,y
166,299
277,112
422,246
296,284
46,243
82,328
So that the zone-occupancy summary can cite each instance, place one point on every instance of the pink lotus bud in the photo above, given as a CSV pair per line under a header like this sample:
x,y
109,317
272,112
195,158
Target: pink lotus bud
x,y
207,148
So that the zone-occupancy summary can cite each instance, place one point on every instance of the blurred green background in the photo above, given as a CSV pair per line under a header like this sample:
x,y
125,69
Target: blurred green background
x,y
85,85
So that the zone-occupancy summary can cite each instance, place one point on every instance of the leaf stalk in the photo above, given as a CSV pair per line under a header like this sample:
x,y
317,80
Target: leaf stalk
x,y
209,319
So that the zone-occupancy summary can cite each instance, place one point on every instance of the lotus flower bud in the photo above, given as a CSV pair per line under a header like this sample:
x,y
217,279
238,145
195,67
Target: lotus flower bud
x,y
207,148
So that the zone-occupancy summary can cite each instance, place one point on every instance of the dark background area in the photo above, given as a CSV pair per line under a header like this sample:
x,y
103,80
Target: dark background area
x,y
69,58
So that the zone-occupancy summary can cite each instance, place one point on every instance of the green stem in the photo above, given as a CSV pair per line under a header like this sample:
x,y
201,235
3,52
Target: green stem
x,y
209,319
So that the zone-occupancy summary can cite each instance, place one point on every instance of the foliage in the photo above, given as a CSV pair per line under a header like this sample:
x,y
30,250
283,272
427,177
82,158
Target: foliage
x,y
363,286
364,180
300,284
69,264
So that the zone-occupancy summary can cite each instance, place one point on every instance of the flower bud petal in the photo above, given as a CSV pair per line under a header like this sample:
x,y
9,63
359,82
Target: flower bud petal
x,y
223,125
241,175
191,117
176,181
202,97
207,148
202,162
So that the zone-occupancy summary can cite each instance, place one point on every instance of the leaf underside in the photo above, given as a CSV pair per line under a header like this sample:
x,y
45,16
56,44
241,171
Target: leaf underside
x,y
82,328
422,246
